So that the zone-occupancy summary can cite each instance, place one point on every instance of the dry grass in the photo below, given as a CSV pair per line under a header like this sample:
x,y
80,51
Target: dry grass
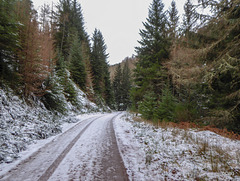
x,y
188,125
204,150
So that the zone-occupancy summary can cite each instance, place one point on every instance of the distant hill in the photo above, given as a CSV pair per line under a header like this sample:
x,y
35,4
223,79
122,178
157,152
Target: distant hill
x,y
131,63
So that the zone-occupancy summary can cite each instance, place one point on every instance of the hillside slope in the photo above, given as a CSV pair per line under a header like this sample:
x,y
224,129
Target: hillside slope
x,y
24,120
131,64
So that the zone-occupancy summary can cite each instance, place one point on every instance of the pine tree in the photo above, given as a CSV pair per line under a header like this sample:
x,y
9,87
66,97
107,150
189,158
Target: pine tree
x,y
77,66
126,86
148,105
73,43
166,107
46,29
101,75
153,51
70,23
108,92
189,19
8,40
98,61
117,88
173,21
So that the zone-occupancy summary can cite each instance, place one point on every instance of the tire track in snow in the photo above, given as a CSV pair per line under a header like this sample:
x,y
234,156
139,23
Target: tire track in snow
x,y
55,164
37,164
95,156
112,162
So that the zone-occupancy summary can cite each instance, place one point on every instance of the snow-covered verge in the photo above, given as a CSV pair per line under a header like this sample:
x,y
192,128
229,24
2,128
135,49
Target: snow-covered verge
x,y
39,144
151,153
21,122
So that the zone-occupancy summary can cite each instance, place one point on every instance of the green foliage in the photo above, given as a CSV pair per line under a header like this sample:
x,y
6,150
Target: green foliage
x,y
70,92
152,52
173,21
117,88
121,87
185,112
108,92
152,78
126,86
166,106
53,98
189,19
101,75
8,43
77,66
148,106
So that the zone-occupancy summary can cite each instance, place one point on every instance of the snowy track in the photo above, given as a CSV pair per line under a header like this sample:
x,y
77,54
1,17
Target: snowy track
x,y
87,151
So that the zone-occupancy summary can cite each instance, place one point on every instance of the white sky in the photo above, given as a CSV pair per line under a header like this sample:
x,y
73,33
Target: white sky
x,y
118,20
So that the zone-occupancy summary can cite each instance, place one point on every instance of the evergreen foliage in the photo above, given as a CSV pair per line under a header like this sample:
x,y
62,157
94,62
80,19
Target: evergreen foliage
x,y
117,88
189,19
77,66
148,106
166,107
199,82
173,21
101,76
153,51
126,86
8,40
121,87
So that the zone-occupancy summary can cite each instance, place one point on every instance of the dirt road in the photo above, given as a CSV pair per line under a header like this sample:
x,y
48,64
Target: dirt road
x,y
87,151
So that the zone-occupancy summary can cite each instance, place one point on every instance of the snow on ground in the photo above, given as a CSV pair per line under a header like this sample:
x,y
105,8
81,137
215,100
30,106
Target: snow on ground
x,y
85,159
22,123
38,144
151,153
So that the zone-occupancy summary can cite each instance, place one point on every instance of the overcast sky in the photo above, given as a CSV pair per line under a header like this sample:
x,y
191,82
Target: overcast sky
x,y
118,20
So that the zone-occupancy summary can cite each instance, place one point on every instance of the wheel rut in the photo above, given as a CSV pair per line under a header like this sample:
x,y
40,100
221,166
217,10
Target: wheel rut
x,y
55,164
88,151
37,164
112,164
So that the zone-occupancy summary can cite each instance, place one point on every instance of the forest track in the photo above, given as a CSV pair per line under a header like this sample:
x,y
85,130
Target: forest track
x,y
46,163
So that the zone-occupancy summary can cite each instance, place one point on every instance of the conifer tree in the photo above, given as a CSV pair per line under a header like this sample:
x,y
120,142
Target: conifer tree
x,y
70,23
189,19
117,87
8,39
153,50
73,43
173,21
98,59
101,75
108,92
32,68
126,86
77,66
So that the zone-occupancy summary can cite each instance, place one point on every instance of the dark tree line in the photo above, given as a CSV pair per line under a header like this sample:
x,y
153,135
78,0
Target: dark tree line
x,y
35,47
165,85
121,87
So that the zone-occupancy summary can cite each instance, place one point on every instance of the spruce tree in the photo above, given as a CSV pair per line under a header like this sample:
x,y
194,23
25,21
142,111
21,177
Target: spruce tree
x,y
126,86
108,92
152,52
117,87
101,75
8,40
70,23
98,59
173,21
189,18
77,66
